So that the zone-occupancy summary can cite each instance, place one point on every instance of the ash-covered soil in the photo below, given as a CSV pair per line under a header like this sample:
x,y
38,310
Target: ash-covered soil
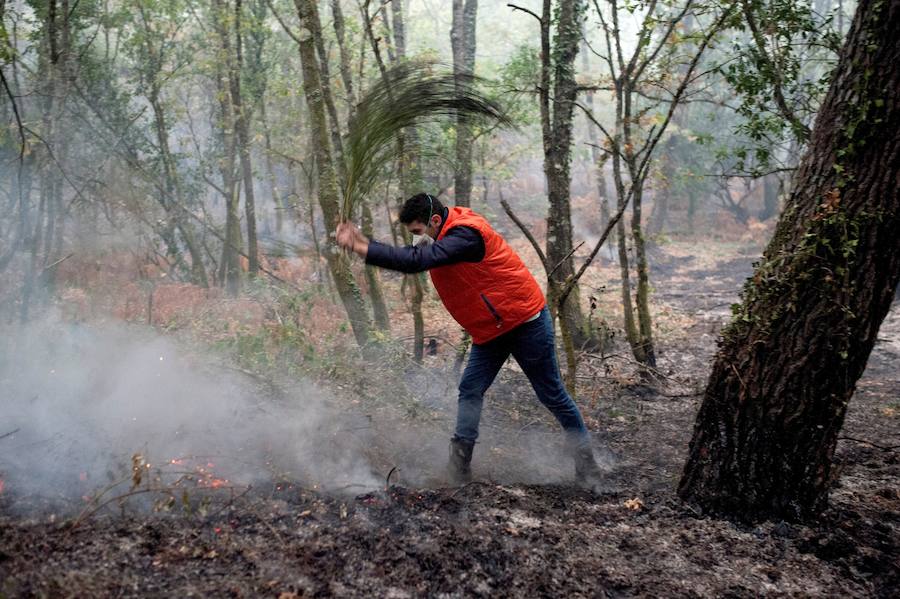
x,y
502,535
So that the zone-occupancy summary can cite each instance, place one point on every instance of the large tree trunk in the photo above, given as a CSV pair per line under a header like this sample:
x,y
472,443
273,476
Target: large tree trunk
x,y
338,261
462,40
557,132
766,432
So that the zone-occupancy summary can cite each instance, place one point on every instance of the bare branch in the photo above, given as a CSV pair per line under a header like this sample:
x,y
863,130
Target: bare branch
x,y
525,231
714,28
566,257
590,115
525,10
281,21
573,280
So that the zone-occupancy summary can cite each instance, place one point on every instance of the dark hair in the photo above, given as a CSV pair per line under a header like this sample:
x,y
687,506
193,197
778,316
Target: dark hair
x,y
420,207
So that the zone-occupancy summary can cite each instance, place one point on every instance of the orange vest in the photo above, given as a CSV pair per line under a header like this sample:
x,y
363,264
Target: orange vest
x,y
490,297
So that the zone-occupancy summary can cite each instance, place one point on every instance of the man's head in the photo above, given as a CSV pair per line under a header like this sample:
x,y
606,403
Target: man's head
x,y
423,215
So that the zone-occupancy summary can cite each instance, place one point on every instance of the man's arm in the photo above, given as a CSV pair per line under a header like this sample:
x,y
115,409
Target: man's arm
x,y
460,244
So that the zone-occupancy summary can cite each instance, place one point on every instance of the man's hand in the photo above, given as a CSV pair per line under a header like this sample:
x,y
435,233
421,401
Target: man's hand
x,y
349,237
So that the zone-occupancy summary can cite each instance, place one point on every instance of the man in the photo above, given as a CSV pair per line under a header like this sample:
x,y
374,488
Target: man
x,y
488,290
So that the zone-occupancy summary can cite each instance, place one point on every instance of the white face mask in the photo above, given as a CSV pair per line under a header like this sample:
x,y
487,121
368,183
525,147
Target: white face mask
x,y
422,241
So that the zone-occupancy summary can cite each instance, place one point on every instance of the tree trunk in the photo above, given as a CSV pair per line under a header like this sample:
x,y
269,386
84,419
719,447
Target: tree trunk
x,y
325,77
410,174
631,331
379,307
346,76
645,324
462,40
278,203
230,266
663,195
411,181
770,197
338,261
598,157
172,185
242,128
557,157
788,363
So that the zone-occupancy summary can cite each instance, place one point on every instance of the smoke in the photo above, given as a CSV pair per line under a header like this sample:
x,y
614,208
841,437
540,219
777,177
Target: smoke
x,y
85,398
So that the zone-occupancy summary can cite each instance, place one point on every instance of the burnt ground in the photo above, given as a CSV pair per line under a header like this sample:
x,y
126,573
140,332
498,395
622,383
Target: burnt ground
x,y
500,536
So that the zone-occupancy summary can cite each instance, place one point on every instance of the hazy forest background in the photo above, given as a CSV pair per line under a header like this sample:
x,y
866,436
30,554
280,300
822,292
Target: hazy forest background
x,y
172,173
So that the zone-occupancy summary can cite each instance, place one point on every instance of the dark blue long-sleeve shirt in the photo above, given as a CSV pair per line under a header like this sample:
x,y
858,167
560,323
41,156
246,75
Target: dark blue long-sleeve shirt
x,y
460,244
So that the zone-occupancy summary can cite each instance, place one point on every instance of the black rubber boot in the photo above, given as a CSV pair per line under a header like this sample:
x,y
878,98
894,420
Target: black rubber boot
x,y
588,474
460,464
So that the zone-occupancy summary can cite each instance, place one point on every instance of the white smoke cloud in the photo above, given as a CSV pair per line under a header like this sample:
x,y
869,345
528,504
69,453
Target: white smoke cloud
x,y
86,397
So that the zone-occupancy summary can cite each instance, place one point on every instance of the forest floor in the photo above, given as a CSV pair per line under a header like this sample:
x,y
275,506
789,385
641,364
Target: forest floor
x,y
521,529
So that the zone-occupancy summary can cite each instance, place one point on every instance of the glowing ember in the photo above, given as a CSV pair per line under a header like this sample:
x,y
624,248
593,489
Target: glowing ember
x,y
214,483
2,484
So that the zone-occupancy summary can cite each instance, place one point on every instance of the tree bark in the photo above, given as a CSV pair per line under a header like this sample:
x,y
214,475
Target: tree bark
x,y
557,131
788,363
462,41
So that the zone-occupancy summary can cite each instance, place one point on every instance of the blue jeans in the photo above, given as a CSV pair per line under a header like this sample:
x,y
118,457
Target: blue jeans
x,y
532,345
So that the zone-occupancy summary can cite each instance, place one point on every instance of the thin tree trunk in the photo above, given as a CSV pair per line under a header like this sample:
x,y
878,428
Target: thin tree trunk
x,y
242,127
411,182
598,157
662,196
277,201
788,363
379,307
631,331
408,167
230,269
645,324
338,261
174,193
337,16
770,197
